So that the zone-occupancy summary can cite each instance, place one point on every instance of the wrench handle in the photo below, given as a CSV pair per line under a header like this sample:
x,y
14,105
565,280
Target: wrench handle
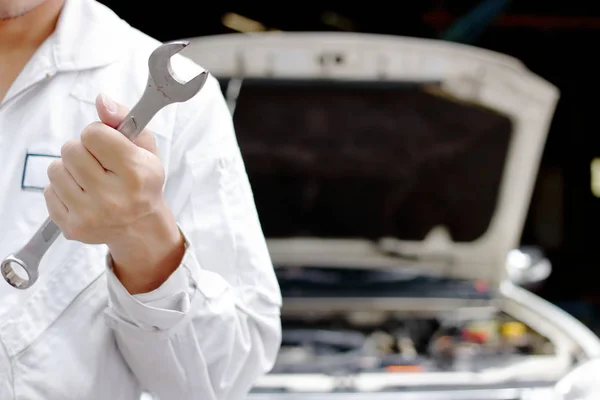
x,y
142,113
129,127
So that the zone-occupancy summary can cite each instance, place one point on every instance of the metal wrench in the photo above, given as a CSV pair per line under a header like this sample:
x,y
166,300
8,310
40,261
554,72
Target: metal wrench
x,y
163,88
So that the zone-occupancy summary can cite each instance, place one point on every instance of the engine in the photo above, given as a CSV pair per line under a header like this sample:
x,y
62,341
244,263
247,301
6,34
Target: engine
x,y
372,342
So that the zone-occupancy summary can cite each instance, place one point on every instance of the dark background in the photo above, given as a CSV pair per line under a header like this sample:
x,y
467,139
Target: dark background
x,y
557,40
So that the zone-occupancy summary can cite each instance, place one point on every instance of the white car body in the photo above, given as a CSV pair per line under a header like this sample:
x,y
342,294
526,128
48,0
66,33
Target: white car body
x,y
474,75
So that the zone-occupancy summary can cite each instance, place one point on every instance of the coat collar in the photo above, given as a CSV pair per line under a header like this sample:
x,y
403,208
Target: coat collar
x,y
88,35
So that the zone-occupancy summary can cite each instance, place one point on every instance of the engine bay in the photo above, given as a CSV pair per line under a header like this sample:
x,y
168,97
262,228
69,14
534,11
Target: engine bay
x,y
373,342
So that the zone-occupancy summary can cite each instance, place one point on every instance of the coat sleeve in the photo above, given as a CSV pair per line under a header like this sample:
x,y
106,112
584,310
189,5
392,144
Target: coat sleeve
x,y
214,326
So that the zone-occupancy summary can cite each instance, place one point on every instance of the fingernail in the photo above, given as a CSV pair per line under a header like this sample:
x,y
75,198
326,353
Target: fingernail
x,y
109,104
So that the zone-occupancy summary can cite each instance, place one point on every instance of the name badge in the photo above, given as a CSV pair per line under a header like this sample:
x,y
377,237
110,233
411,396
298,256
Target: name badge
x,y
35,171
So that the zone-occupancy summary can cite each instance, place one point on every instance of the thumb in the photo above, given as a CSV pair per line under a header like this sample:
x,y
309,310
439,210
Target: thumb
x,y
109,111
112,114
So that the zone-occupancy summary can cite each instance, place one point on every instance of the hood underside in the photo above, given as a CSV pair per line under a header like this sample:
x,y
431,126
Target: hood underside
x,y
428,167
369,160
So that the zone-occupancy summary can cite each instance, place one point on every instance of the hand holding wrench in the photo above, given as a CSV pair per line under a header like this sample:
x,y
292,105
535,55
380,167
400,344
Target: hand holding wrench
x,y
163,88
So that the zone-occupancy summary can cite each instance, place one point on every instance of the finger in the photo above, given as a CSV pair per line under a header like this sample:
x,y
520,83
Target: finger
x,y
112,114
82,165
56,208
64,185
112,150
146,141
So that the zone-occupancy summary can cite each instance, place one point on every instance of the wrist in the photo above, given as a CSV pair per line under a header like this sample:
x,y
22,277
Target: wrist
x,y
148,252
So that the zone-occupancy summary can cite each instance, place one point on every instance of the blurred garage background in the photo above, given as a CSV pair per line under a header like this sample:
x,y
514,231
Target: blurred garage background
x,y
555,40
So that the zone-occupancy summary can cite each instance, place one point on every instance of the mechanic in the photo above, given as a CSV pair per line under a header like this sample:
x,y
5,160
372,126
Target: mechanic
x,y
162,281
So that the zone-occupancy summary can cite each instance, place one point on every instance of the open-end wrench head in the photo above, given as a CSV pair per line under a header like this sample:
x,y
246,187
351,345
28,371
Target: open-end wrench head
x,y
167,82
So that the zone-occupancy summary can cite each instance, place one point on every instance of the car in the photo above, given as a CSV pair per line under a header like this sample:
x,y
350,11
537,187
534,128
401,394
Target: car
x,y
392,176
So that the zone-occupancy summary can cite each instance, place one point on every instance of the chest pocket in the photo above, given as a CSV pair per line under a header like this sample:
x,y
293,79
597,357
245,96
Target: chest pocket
x,y
34,179
31,208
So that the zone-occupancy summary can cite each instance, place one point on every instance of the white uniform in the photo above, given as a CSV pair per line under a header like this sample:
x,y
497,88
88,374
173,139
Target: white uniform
x,y
211,329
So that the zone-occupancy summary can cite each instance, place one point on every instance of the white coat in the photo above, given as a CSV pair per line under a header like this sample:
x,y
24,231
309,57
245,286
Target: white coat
x,y
213,327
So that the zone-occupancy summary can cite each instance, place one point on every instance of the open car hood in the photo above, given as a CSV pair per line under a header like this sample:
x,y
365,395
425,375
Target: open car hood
x,y
382,151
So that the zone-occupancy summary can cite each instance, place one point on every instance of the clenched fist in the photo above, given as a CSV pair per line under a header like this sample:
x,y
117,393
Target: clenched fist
x,y
107,190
